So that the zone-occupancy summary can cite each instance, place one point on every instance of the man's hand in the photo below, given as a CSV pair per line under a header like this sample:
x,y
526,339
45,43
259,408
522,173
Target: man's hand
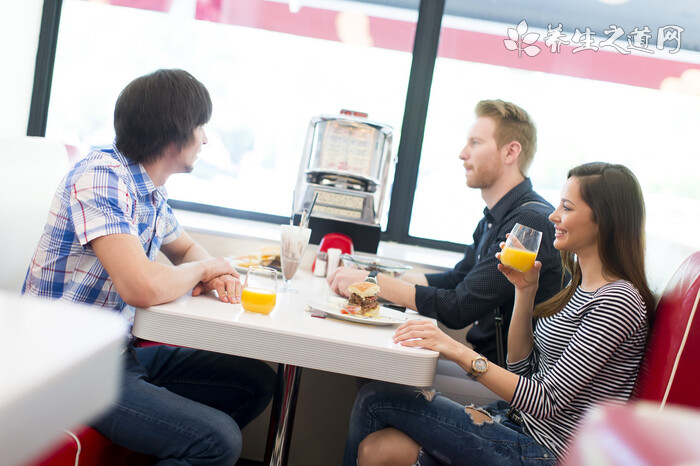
x,y
392,289
222,277
214,267
228,287
343,277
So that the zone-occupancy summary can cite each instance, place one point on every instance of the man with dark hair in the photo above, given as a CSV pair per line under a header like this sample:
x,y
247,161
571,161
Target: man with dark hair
x,y
107,223
500,148
156,110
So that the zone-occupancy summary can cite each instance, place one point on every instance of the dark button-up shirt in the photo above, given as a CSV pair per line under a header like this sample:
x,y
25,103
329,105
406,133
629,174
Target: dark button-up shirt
x,y
471,291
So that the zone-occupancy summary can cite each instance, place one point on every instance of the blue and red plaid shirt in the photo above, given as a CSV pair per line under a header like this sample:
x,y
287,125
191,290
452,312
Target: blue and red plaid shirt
x,y
105,193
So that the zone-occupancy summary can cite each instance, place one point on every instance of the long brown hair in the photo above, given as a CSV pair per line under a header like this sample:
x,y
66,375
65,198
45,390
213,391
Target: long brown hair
x,y
615,197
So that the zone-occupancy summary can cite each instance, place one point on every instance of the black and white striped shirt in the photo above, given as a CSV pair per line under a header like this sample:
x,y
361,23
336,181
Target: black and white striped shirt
x,y
587,353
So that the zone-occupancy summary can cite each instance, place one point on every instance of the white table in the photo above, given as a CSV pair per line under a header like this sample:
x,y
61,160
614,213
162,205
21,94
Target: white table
x,y
291,337
61,367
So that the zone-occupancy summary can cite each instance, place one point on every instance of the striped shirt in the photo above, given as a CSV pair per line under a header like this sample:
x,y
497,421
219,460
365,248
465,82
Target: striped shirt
x,y
587,353
103,194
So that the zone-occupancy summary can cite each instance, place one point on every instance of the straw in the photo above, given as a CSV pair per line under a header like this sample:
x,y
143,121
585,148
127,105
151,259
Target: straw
x,y
308,217
294,198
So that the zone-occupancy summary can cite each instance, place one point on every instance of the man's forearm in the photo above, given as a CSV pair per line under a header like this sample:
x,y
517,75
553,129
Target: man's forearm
x,y
168,283
415,279
397,291
194,253
141,282
183,250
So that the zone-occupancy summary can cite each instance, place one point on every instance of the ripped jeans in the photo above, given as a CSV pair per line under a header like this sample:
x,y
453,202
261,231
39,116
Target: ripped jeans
x,y
446,433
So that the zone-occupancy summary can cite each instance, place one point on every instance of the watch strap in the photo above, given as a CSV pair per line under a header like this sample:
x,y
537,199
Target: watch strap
x,y
372,277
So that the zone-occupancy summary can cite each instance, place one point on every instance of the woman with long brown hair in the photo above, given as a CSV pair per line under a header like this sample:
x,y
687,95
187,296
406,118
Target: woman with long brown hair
x,y
585,349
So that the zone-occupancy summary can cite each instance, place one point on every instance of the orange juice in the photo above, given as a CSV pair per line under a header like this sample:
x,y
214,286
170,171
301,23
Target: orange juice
x,y
518,259
258,300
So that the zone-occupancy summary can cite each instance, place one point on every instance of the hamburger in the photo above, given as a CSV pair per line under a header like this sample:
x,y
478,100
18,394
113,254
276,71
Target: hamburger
x,y
364,294
270,257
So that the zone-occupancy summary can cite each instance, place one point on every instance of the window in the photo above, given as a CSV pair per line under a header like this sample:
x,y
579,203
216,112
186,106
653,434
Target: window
x,y
273,64
636,109
269,66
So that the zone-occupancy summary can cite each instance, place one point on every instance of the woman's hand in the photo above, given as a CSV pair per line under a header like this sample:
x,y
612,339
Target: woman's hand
x,y
425,334
522,280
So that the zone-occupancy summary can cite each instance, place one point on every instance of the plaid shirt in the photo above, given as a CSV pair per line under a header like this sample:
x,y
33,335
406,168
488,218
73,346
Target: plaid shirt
x,y
103,194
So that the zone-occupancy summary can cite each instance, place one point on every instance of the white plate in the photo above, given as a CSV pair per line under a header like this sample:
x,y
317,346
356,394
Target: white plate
x,y
242,266
332,309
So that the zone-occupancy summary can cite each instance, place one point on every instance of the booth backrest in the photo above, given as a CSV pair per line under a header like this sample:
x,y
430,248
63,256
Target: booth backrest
x,y
638,432
32,169
669,372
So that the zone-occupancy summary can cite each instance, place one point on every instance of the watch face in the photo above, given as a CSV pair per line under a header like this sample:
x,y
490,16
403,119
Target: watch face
x,y
480,365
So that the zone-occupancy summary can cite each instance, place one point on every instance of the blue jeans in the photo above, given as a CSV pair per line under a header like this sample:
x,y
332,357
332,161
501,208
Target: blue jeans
x,y
186,406
442,428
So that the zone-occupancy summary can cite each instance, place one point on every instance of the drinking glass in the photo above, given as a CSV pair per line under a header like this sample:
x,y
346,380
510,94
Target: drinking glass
x,y
294,240
259,290
521,248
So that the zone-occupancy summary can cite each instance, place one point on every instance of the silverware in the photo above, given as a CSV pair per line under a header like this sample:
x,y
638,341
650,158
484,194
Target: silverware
x,y
315,312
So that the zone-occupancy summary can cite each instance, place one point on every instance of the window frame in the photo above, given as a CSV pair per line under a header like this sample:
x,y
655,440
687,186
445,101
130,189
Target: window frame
x,y
43,70
424,54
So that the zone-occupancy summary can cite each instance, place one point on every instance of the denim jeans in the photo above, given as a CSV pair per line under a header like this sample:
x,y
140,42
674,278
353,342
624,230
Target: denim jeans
x,y
186,406
442,428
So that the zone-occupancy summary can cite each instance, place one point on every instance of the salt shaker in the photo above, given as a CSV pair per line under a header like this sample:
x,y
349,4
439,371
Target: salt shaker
x,y
333,259
320,265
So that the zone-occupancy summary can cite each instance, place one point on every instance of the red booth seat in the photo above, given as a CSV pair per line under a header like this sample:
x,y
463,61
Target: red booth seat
x,y
637,434
643,432
94,449
91,448
669,372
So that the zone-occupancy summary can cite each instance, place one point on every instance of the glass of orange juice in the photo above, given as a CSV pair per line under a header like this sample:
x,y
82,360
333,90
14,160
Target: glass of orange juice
x,y
521,248
259,290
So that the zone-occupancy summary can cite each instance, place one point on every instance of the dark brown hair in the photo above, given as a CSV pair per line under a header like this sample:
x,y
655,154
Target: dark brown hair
x,y
615,197
159,109
512,124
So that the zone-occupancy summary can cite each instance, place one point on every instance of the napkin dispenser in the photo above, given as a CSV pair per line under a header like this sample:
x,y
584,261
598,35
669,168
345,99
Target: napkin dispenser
x,y
345,167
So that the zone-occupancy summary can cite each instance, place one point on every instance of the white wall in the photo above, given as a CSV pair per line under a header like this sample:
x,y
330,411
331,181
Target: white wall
x,y
19,36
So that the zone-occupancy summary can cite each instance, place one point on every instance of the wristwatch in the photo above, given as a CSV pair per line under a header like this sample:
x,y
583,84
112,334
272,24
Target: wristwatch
x,y
372,277
479,367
